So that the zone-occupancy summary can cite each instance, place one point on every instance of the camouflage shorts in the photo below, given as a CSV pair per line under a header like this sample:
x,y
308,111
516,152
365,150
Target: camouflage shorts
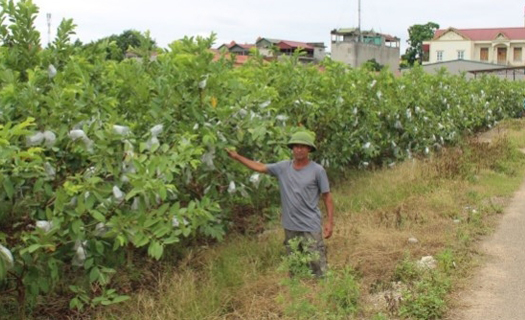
x,y
312,242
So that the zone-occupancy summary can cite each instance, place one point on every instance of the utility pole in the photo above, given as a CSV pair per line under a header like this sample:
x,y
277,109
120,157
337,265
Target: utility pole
x,y
48,15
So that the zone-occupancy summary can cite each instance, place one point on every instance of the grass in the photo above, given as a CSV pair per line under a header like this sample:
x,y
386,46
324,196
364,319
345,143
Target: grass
x,y
447,202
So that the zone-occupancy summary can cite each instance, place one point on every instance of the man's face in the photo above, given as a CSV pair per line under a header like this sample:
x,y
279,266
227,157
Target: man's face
x,y
300,151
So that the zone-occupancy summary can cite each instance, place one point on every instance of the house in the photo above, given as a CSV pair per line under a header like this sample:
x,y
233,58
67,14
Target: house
x,y
501,46
236,48
314,51
355,47
273,48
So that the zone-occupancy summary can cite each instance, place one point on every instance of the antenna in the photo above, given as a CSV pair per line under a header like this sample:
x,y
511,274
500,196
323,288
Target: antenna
x,y
48,15
359,15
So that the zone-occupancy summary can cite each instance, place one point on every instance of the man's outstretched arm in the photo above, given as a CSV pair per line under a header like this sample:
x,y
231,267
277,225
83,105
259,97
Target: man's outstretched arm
x,y
254,165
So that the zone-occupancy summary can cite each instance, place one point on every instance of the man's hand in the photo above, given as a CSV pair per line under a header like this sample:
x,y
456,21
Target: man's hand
x,y
329,225
328,230
232,153
253,165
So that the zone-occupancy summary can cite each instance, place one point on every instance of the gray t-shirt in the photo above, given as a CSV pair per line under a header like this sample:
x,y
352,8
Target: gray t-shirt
x,y
300,191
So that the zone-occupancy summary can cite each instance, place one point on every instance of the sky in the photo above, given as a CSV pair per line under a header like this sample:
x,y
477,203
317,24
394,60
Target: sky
x,y
243,21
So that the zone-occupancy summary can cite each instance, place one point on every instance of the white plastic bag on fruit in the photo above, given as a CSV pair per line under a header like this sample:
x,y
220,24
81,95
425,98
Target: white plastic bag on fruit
x,y
118,194
51,71
50,171
282,117
101,229
76,134
398,125
231,187
203,83
135,204
243,191
73,202
89,144
121,130
265,104
128,168
50,138
255,179
35,139
207,159
7,256
80,253
128,146
221,137
175,222
156,130
124,178
89,172
44,225
151,142
243,113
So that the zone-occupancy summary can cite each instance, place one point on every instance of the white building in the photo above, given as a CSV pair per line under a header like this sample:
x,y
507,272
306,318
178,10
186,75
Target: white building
x,y
502,46
355,47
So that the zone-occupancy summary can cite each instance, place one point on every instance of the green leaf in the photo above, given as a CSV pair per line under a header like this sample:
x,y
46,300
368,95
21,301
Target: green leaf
x,y
94,275
151,222
155,249
133,193
163,193
75,303
32,248
76,226
119,299
171,240
98,216
106,302
9,189
37,187
161,231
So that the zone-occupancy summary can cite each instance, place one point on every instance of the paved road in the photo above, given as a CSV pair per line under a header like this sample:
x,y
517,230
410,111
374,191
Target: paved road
x,y
498,288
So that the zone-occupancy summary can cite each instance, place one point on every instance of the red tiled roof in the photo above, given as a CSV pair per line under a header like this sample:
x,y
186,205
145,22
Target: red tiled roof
x,y
285,44
239,59
233,43
485,34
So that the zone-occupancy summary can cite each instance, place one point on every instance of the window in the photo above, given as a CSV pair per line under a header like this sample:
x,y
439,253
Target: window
x,y
461,54
484,54
440,56
517,54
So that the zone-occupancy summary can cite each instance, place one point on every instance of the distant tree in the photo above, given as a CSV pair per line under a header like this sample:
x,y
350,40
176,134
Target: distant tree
x,y
122,43
373,65
133,39
416,35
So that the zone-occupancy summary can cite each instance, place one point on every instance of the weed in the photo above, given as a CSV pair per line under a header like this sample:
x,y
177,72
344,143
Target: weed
x,y
341,292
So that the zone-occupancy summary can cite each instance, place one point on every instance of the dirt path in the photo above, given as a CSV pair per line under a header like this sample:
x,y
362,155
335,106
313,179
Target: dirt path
x,y
498,288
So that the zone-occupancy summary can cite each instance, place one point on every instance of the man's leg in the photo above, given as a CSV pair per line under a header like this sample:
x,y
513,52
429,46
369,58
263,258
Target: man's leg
x,y
313,243
316,246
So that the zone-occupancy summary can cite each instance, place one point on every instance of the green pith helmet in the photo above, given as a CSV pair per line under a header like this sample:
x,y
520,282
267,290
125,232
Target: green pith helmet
x,y
303,137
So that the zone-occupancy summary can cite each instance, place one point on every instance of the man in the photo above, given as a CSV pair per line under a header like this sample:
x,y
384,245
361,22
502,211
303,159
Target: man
x,y
301,183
